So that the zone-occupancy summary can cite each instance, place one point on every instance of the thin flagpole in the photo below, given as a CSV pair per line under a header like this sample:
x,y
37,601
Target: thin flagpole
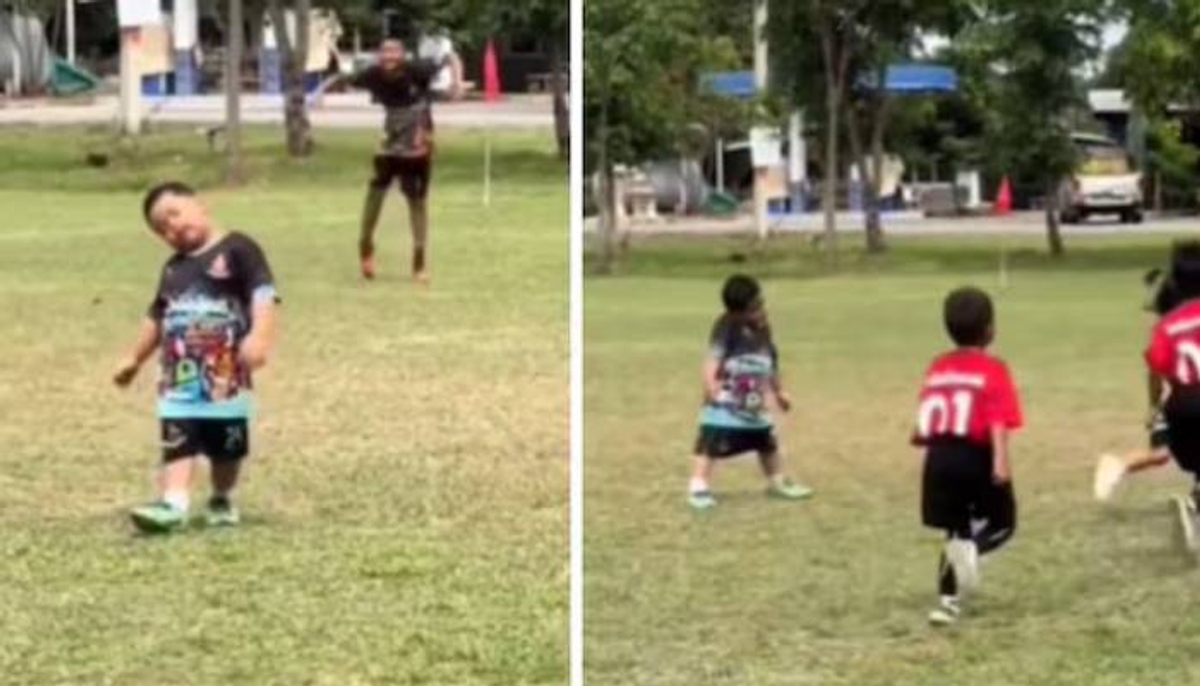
x,y
487,168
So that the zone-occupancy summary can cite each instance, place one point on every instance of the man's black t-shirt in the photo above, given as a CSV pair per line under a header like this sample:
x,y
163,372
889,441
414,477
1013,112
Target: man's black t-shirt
x,y
403,87
405,96
203,307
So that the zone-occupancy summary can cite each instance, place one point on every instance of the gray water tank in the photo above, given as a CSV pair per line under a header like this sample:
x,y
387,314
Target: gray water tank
x,y
24,53
672,179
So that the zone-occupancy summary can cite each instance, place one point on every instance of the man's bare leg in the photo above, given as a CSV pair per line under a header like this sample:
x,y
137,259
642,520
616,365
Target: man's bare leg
x,y
372,207
418,218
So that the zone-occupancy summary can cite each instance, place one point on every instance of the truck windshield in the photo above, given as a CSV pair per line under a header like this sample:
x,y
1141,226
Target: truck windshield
x,y
1100,159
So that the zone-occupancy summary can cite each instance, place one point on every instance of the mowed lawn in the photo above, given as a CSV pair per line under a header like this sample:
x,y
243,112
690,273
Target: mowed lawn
x,y
836,590
406,501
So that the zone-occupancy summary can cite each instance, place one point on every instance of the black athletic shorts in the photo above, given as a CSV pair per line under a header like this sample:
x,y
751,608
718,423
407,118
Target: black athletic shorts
x,y
1182,412
957,487
220,440
413,173
718,442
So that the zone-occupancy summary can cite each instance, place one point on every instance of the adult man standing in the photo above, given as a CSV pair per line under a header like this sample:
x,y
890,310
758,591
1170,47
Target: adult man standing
x,y
404,87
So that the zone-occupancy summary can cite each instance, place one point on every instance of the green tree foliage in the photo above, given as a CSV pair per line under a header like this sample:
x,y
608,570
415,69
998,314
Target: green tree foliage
x,y
642,63
1027,58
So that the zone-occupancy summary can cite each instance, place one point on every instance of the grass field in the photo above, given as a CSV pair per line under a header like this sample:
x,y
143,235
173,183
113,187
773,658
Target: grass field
x,y
406,500
836,590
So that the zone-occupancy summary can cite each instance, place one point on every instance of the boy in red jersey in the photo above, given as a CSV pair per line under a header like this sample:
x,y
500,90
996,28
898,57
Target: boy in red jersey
x,y
968,406
1174,356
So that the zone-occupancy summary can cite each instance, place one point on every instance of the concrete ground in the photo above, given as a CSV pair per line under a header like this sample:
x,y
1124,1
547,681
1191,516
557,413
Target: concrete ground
x,y
335,110
911,224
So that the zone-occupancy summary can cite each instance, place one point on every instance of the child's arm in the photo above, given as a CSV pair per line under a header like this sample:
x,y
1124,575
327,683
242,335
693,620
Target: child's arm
x,y
258,342
1154,386
712,378
1001,469
781,396
143,347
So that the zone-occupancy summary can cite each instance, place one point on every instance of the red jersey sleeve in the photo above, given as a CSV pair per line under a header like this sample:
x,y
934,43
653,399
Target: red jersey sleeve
x,y
1158,354
1004,405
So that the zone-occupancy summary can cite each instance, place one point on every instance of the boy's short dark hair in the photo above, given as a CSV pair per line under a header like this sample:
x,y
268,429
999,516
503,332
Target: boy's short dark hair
x,y
165,188
968,315
1185,268
740,293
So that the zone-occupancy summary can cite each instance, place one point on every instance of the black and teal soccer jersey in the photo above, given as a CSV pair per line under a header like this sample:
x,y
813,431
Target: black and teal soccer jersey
x,y
203,307
748,364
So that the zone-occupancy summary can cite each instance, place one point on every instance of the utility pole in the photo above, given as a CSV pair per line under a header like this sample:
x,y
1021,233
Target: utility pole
x,y
760,82
131,81
71,31
233,89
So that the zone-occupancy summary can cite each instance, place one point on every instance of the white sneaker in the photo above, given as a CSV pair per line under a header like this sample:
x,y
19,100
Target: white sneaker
x,y
963,556
1110,469
946,613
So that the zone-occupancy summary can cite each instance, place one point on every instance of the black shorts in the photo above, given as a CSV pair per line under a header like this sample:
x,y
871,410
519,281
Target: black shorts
x,y
1182,413
413,173
220,440
957,487
718,442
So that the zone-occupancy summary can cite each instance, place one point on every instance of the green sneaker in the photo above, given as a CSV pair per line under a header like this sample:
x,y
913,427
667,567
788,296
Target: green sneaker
x,y
788,490
221,512
157,518
702,500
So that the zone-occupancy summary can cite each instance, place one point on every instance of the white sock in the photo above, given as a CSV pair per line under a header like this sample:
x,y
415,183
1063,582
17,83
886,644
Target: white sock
x,y
777,479
697,485
180,500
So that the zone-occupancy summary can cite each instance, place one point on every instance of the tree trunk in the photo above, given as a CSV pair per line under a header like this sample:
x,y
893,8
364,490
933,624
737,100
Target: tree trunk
x,y
608,212
1053,233
293,58
233,88
562,116
875,239
834,73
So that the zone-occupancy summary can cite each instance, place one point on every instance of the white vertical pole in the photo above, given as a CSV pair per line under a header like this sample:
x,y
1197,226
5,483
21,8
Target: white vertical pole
x,y
721,164
487,170
760,82
131,82
71,31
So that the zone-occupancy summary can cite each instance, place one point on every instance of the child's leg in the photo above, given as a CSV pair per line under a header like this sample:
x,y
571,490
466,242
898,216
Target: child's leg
x,y
226,442
225,477
702,470
1141,461
947,582
1000,519
770,458
175,481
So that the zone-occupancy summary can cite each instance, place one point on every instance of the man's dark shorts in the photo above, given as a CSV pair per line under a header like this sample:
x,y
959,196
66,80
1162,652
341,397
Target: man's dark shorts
x,y
221,440
412,172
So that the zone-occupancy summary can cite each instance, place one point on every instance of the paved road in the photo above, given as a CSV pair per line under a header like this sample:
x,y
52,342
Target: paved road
x,y
351,110
913,224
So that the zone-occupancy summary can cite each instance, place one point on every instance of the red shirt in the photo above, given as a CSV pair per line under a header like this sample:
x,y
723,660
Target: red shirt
x,y
1174,351
966,392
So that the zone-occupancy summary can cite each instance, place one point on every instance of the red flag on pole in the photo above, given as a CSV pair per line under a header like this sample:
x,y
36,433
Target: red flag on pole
x,y
491,74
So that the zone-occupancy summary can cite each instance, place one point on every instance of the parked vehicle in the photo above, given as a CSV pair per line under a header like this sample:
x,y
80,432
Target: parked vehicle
x,y
1104,182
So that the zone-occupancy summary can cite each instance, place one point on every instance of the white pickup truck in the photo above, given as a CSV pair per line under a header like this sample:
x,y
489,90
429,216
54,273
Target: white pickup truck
x,y
1103,183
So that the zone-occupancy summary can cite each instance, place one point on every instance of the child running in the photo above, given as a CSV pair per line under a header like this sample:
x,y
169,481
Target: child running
x,y
212,320
968,407
1174,357
741,373
1112,469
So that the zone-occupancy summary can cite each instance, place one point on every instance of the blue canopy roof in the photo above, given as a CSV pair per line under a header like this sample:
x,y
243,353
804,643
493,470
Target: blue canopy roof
x,y
731,84
920,78
901,78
